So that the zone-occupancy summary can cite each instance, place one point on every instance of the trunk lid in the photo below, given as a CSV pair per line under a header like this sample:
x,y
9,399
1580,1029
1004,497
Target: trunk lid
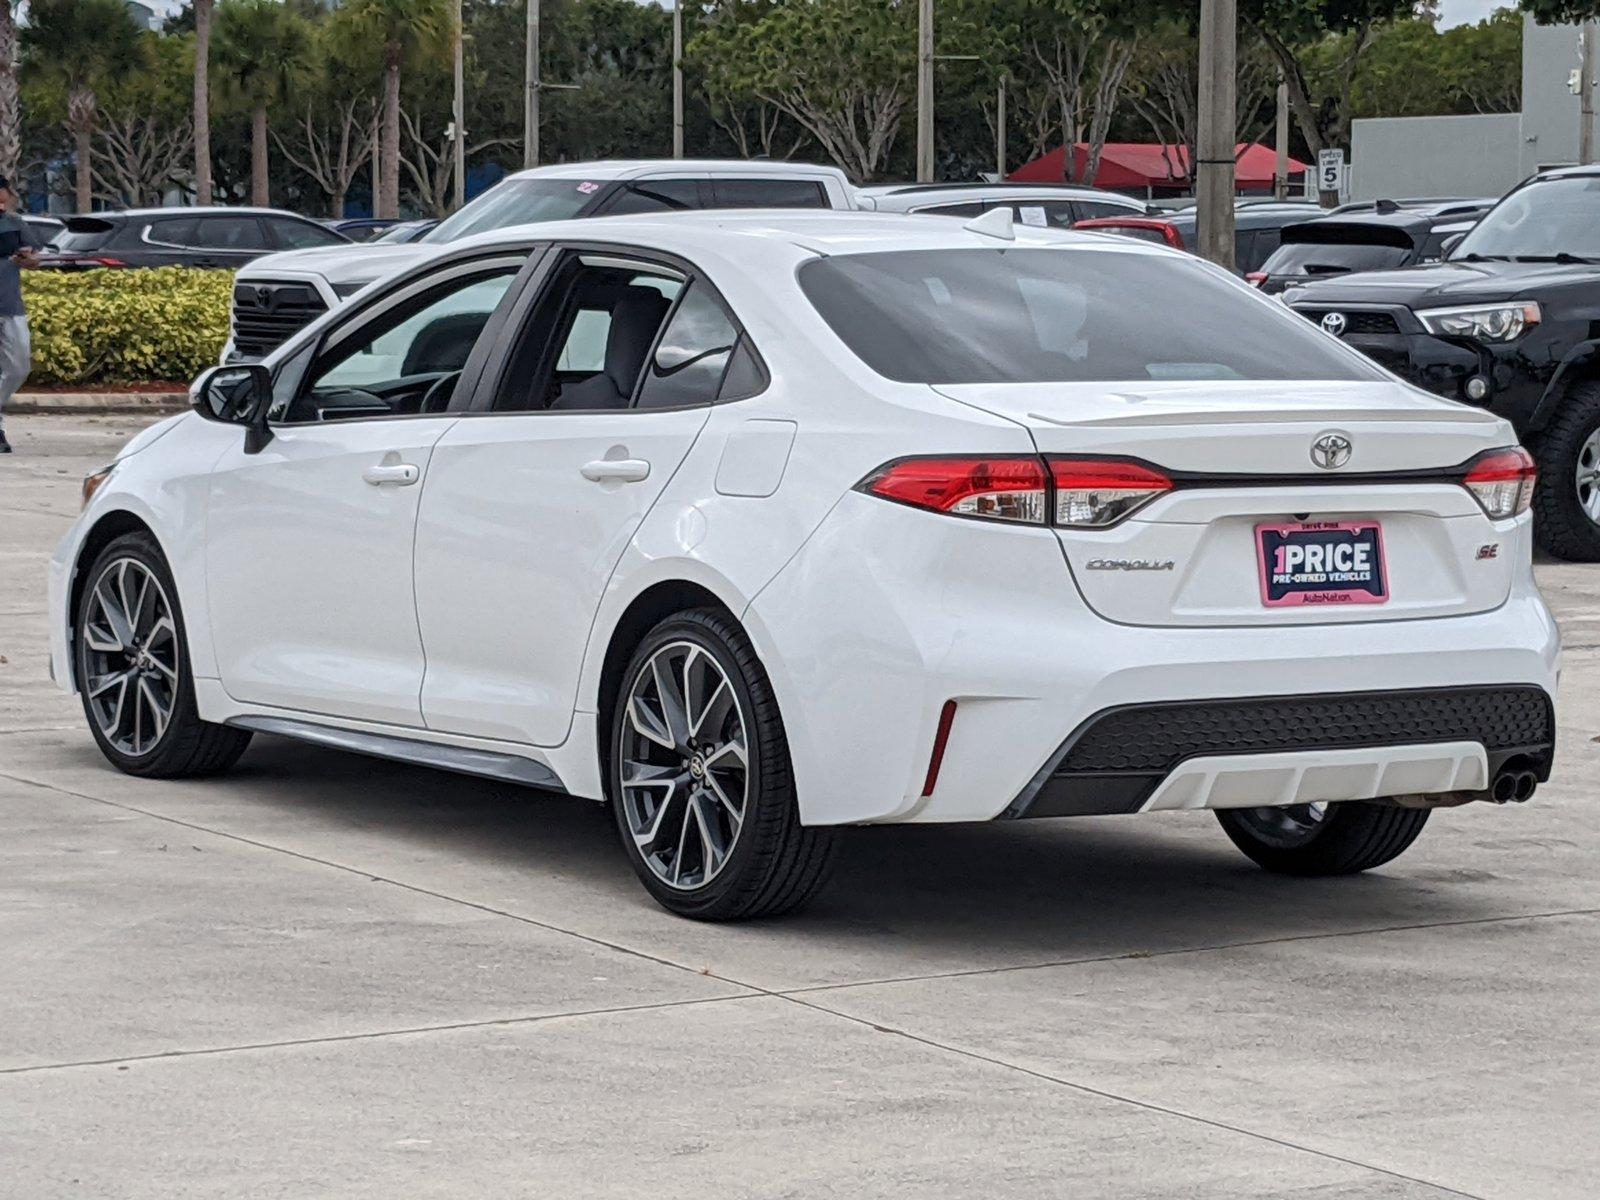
x,y
1241,457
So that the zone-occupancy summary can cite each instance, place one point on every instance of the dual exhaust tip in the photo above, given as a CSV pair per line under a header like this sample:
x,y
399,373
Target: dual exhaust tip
x,y
1513,785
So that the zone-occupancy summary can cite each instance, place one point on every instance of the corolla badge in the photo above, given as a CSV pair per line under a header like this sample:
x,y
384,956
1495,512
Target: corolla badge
x,y
1334,323
1331,450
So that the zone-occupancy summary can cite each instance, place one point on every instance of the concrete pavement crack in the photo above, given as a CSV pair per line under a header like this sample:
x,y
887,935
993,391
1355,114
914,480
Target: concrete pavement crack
x,y
370,1035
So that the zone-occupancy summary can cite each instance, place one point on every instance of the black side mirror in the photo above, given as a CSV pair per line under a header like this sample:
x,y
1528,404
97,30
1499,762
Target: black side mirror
x,y
236,395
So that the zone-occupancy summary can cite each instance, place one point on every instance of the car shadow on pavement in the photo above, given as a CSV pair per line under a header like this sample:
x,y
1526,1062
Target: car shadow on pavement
x,y
1045,890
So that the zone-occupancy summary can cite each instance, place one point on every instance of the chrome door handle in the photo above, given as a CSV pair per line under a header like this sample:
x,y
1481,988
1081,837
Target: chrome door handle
x,y
623,470
399,474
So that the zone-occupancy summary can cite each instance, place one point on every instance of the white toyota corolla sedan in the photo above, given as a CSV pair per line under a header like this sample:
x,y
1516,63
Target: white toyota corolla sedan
x,y
757,524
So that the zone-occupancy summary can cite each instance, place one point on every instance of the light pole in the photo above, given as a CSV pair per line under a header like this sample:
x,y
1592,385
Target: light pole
x,y
1000,129
1586,94
677,79
530,102
458,132
924,91
1214,177
1280,169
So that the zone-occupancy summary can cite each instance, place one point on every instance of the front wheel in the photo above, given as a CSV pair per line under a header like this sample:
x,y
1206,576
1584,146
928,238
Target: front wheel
x,y
1566,498
1323,839
700,781
131,657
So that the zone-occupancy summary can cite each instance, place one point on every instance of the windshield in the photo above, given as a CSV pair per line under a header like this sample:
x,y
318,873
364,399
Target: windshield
x,y
1309,258
517,202
1067,315
1541,221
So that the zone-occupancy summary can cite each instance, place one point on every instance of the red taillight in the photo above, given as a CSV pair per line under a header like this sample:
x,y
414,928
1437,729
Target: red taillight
x,y
1095,493
941,738
105,260
1255,277
1001,488
1502,481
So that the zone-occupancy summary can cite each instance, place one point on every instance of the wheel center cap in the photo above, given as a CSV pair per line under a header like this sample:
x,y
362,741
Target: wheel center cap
x,y
697,766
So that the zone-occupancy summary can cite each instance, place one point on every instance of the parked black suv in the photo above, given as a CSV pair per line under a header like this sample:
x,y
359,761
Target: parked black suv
x,y
1510,321
182,237
1387,236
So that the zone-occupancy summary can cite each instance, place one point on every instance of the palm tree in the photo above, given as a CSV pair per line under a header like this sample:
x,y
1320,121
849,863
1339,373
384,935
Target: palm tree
x,y
264,49
202,100
409,33
10,110
75,45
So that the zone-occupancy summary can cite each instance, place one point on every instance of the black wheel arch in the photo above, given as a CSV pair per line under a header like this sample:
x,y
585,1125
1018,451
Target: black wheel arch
x,y
1581,364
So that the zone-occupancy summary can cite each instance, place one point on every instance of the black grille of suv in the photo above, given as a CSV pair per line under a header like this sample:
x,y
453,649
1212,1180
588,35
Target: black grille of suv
x,y
267,313
1354,322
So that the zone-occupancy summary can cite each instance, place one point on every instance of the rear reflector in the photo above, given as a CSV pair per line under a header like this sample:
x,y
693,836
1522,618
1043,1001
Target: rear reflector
x,y
1002,488
947,718
1502,481
1094,493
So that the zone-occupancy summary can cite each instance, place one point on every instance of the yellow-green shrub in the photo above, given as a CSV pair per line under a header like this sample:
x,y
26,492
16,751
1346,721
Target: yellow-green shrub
x,y
125,326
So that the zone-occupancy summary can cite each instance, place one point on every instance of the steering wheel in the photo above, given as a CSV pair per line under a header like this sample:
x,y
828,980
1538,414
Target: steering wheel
x,y
437,397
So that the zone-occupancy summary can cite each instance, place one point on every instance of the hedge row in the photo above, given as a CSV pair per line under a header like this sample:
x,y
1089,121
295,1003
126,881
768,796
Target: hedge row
x,y
120,327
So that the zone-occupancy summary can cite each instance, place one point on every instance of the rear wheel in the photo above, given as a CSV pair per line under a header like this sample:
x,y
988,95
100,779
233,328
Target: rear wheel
x,y
131,657
1566,499
1323,839
700,780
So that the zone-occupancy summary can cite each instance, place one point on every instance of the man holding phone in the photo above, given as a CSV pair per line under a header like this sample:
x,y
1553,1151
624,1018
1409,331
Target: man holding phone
x,y
18,249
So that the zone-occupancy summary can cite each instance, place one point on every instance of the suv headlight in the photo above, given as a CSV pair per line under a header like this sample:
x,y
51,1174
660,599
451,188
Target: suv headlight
x,y
1485,322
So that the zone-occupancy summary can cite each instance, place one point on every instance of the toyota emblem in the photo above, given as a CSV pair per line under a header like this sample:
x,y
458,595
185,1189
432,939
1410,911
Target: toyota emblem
x,y
264,298
1331,450
1334,323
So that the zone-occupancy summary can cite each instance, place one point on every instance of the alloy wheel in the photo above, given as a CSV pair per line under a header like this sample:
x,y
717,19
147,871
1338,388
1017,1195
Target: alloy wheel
x,y
684,765
128,651
1284,828
1588,477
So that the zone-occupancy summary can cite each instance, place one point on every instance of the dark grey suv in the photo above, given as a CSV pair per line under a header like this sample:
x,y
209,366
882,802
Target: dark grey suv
x,y
181,237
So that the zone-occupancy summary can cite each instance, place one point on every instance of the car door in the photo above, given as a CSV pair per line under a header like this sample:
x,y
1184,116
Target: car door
x,y
309,541
530,505
227,240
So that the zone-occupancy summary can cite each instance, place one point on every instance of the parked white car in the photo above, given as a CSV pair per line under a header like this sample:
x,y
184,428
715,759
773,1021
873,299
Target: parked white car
x,y
760,524
277,295
1047,205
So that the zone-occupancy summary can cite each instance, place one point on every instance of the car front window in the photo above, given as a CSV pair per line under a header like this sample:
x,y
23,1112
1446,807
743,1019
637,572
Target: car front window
x,y
518,202
1540,221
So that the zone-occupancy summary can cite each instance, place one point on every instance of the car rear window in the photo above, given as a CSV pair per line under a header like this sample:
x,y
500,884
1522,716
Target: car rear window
x,y
84,235
1069,315
1310,258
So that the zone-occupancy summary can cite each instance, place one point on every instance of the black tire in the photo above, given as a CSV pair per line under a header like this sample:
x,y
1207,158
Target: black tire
x,y
1351,836
775,864
1561,525
187,746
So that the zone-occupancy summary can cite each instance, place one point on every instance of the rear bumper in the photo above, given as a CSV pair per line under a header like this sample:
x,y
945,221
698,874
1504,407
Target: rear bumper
x,y
1292,750
888,613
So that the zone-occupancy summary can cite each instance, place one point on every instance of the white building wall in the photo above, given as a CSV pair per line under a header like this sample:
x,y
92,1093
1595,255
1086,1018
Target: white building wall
x,y
1391,157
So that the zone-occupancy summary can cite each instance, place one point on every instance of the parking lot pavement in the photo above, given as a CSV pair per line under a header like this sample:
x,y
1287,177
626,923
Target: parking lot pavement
x,y
327,976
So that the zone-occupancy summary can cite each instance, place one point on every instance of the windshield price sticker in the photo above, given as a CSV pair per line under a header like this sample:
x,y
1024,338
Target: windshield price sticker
x,y
588,189
1321,562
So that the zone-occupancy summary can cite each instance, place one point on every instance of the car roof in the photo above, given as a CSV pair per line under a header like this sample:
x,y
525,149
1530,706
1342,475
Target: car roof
x,y
224,210
902,189
822,232
632,168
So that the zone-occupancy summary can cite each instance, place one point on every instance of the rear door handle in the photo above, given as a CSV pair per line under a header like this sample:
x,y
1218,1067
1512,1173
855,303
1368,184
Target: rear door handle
x,y
624,470
399,474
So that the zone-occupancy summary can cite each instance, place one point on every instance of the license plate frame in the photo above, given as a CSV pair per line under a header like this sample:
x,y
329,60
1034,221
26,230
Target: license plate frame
x,y
1321,574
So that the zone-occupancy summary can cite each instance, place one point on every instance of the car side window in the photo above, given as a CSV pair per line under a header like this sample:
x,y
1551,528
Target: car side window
x,y
1099,208
692,355
972,209
655,196
228,233
408,359
769,193
171,231
589,337
301,235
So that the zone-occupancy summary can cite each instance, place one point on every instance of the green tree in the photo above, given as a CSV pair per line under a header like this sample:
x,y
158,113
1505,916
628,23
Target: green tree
x,y
145,132
264,48
76,46
408,34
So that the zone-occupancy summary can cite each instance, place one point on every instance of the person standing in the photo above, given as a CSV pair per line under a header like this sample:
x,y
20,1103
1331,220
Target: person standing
x,y
18,249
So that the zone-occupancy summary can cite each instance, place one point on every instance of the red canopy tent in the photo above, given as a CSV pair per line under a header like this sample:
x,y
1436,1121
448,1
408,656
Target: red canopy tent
x,y
1148,166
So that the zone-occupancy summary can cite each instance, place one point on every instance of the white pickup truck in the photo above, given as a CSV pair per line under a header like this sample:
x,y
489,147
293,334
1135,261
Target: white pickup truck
x,y
277,295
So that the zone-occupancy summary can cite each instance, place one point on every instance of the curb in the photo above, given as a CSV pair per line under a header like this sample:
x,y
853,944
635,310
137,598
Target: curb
x,y
146,403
